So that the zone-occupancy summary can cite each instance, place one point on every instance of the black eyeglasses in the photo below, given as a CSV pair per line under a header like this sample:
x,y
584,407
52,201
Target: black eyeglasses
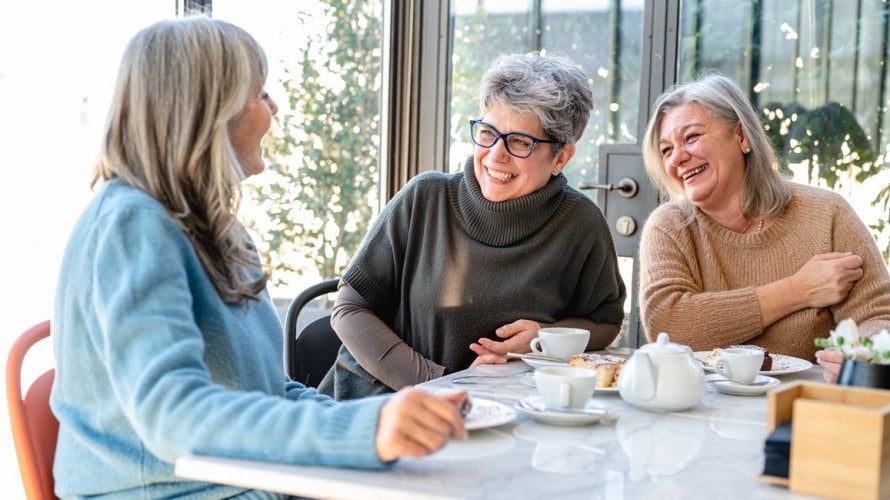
x,y
518,144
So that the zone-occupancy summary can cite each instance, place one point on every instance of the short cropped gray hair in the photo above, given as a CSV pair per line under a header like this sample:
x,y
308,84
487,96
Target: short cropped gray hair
x,y
766,192
551,88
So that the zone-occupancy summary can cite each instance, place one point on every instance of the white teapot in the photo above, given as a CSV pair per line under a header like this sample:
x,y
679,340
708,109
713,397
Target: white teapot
x,y
662,376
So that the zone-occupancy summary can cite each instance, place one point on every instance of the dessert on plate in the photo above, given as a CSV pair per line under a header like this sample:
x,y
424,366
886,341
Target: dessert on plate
x,y
607,367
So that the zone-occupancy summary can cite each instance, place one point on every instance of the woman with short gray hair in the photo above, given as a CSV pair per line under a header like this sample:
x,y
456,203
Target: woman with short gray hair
x,y
462,269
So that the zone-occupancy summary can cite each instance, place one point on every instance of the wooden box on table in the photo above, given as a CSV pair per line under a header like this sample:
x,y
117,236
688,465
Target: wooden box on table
x,y
840,444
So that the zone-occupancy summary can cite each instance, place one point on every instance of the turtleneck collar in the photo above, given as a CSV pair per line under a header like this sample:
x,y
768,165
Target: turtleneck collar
x,y
504,223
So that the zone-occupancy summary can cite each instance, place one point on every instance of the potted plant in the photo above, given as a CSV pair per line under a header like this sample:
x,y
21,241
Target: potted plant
x,y
866,359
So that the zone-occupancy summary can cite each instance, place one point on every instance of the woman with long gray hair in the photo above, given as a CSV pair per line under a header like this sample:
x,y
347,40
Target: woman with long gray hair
x,y
741,255
166,341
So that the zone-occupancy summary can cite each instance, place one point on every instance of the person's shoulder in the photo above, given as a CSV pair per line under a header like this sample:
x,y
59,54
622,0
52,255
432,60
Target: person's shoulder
x,y
427,181
425,185
669,214
116,194
810,197
123,207
805,191
581,209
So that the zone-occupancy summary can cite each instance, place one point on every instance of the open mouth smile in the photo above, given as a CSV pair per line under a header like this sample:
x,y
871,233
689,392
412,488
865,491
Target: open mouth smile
x,y
693,172
499,176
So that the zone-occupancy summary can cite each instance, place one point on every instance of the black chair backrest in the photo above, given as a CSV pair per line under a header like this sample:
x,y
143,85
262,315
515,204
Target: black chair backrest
x,y
310,352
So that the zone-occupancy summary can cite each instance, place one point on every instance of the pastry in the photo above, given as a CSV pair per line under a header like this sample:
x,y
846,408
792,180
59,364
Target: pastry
x,y
607,367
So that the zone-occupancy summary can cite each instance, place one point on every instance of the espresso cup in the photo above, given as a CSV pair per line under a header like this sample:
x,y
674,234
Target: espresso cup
x,y
560,343
565,387
739,364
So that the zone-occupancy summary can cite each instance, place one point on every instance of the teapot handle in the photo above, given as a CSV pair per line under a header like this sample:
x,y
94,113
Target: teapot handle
x,y
642,384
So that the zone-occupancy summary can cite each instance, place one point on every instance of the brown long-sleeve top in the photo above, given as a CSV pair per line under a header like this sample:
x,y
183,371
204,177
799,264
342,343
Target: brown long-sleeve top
x,y
697,281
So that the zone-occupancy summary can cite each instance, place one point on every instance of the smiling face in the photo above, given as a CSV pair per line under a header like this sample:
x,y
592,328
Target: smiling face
x,y
246,131
704,159
504,177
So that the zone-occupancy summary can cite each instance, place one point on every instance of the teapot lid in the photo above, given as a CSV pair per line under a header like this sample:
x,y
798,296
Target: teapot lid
x,y
663,345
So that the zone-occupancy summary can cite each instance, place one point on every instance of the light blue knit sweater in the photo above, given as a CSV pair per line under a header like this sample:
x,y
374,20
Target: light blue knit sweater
x,y
152,364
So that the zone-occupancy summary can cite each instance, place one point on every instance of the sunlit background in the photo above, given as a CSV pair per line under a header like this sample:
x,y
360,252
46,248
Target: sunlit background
x,y
58,61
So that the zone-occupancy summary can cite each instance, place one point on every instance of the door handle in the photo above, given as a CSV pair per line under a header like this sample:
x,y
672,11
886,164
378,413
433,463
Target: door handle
x,y
626,187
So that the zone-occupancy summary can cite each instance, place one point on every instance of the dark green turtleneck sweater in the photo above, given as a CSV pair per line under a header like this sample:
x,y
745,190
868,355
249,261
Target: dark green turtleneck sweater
x,y
443,266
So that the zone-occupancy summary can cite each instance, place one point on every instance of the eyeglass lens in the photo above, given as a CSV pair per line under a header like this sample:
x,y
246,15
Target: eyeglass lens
x,y
518,145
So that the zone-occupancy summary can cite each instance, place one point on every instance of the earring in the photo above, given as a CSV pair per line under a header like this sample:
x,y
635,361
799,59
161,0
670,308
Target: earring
x,y
747,150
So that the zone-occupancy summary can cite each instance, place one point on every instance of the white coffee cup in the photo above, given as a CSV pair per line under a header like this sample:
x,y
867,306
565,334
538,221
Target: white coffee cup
x,y
739,364
565,386
560,343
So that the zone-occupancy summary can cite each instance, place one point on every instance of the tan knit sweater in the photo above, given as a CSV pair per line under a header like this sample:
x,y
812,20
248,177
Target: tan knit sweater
x,y
697,282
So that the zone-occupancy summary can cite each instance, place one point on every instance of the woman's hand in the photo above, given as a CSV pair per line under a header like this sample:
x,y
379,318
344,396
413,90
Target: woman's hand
x,y
414,423
830,360
518,335
826,279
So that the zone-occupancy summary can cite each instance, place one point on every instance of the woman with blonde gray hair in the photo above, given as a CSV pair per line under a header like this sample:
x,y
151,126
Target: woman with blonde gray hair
x,y
462,269
166,341
740,255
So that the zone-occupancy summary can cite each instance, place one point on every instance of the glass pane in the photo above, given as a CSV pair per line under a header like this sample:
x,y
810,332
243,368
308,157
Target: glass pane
x,y
603,36
626,268
313,204
816,69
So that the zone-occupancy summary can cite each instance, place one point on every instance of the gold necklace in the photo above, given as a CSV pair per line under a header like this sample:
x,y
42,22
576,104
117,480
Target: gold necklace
x,y
759,225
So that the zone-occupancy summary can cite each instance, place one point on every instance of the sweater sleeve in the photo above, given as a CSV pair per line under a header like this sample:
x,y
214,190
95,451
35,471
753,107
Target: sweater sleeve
x,y
375,346
673,299
868,302
153,352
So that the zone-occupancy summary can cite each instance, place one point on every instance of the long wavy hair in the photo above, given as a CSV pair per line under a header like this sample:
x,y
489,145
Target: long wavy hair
x,y
766,190
179,85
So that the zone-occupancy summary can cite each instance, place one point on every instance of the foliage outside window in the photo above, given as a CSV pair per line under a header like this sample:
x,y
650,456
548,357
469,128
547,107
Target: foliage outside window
x,y
825,115
604,38
319,192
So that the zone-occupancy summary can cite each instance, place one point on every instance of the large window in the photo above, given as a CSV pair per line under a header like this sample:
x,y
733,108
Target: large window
x,y
604,37
312,206
817,70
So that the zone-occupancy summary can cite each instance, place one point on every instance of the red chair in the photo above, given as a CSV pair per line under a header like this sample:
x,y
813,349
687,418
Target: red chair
x,y
34,427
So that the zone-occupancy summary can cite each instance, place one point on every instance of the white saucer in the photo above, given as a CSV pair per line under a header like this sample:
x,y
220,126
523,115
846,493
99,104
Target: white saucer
x,y
488,413
541,363
736,389
562,418
528,378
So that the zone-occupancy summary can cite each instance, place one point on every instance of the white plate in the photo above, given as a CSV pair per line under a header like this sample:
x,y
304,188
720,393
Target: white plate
x,y
528,378
736,389
782,365
488,413
541,363
562,418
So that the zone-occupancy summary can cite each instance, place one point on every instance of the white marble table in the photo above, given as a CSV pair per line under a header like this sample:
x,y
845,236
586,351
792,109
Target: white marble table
x,y
713,451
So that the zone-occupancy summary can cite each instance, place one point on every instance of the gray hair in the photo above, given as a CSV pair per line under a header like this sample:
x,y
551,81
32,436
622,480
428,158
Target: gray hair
x,y
179,85
766,192
551,88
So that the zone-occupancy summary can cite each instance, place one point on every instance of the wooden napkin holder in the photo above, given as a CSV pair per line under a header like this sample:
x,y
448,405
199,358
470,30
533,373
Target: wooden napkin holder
x,y
840,444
